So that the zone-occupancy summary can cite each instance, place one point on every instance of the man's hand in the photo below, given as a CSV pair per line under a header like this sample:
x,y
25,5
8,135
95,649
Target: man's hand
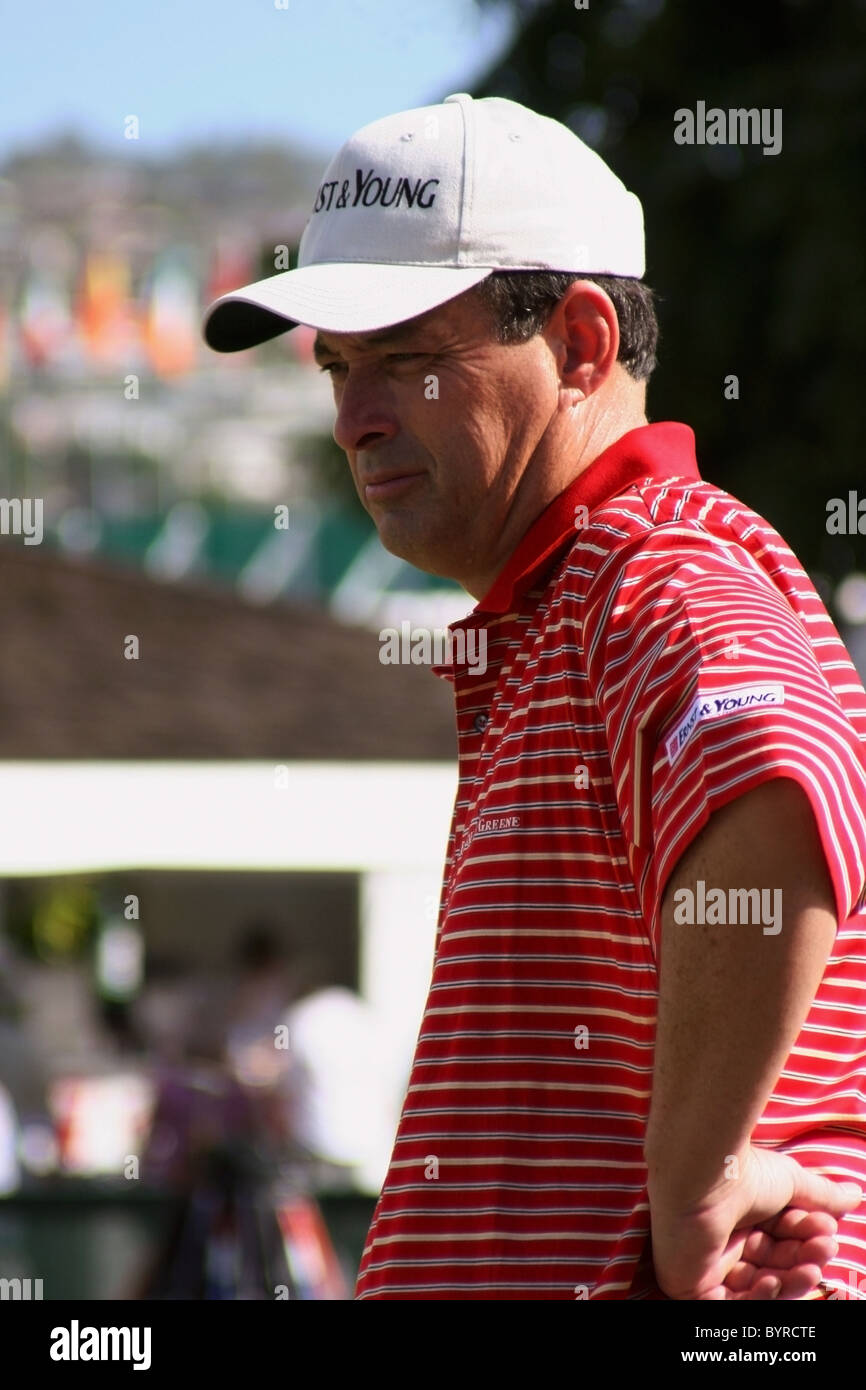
x,y
766,1234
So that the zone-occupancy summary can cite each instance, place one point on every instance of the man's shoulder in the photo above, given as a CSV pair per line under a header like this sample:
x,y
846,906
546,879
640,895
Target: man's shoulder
x,y
669,522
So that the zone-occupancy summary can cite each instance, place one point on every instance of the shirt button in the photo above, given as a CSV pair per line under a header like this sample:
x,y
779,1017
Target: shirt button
x,y
481,722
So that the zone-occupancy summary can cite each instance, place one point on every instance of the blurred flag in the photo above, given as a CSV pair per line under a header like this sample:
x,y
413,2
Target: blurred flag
x,y
5,347
105,313
171,323
232,264
44,321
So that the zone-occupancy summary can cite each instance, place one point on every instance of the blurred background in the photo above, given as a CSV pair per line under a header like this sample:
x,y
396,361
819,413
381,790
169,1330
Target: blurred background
x,y
224,820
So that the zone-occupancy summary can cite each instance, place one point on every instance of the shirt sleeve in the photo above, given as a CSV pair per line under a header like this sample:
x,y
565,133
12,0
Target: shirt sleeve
x,y
709,685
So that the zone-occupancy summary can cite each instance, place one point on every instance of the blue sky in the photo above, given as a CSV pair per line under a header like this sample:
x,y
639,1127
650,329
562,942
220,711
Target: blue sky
x,y
193,70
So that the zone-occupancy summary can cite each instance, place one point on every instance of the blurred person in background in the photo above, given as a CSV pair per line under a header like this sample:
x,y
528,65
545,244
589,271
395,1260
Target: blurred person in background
x,y
224,1135
222,1075
261,985
28,1131
342,1067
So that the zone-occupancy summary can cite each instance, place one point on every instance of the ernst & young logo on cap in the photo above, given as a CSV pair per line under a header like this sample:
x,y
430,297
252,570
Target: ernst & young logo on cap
x,y
369,190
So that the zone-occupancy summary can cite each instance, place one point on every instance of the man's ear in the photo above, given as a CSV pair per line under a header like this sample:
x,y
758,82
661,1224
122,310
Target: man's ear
x,y
583,334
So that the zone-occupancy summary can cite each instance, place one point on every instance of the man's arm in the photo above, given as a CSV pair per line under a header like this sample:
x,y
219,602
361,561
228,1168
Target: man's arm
x,y
732,1000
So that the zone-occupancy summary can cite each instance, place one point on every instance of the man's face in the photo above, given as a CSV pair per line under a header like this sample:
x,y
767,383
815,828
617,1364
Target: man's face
x,y
438,422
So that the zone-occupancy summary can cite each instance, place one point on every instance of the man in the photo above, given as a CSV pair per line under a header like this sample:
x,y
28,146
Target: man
x,y
640,1069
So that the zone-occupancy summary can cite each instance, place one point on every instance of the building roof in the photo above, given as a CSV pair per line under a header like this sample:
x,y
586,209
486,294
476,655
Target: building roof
x,y
216,677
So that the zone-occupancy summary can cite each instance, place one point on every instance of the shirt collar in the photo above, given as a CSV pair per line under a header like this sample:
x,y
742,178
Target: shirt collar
x,y
662,450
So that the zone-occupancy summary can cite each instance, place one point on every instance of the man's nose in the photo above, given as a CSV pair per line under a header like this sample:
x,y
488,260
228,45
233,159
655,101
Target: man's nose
x,y
364,418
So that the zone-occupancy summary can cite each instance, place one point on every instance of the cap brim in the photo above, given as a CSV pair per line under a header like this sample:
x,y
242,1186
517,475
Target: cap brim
x,y
353,297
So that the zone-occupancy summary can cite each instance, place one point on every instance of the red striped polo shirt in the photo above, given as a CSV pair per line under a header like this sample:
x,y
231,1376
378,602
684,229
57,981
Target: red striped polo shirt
x,y
654,649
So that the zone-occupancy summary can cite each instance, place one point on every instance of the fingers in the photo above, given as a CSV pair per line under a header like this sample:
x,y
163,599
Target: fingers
x,y
796,1283
813,1191
801,1225
748,1282
762,1249
764,1288
784,1258
733,1254
741,1277
761,1289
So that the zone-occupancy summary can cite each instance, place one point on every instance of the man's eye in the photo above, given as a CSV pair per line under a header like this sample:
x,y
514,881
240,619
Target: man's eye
x,y
330,367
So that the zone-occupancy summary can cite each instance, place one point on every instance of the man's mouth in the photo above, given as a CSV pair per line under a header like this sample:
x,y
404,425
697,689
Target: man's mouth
x,y
385,485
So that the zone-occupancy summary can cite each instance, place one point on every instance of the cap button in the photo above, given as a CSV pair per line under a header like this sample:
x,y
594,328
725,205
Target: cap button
x,y
458,96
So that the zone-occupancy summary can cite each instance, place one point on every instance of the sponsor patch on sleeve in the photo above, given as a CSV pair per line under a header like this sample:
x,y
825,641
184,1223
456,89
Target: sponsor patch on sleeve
x,y
717,706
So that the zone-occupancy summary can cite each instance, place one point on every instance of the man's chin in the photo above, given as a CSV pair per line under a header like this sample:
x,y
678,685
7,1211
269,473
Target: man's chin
x,y
415,550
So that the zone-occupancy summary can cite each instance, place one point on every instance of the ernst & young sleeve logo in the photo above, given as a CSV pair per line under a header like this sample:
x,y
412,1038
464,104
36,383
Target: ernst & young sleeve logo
x,y
718,706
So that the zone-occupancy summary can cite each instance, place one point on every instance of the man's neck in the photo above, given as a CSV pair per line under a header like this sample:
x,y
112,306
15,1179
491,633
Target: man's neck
x,y
546,477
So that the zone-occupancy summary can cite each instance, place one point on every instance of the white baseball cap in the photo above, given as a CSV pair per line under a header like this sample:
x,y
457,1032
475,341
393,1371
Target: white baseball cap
x,y
418,207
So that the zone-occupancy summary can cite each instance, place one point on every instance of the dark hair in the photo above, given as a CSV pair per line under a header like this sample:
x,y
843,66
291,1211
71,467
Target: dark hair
x,y
521,302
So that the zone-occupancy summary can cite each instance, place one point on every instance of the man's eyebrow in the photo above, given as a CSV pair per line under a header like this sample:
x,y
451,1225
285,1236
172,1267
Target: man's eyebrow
x,y
382,335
